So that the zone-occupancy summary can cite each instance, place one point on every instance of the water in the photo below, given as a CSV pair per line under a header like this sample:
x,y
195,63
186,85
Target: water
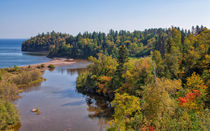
x,y
11,54
62,107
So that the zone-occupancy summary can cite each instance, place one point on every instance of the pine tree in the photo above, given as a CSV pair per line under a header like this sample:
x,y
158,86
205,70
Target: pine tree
x,y
122,58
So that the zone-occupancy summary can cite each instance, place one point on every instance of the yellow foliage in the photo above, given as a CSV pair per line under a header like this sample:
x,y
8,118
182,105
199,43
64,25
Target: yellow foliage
x,y
195,82
158,101
125,106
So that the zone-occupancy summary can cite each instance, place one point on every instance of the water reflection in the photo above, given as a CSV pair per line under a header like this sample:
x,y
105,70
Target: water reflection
x,y
62,107
75,103
99,108
67,93
78,71
35,53
73,71
33,87
77,68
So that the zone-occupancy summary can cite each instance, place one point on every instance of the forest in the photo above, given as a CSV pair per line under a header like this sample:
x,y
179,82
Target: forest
x,y
138,43
165,90
156,79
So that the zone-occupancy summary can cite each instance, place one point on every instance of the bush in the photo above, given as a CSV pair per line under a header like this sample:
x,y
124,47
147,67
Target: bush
x,y
38,67
16,67
8,90
81,80
9,116
42,65
27,77
51,66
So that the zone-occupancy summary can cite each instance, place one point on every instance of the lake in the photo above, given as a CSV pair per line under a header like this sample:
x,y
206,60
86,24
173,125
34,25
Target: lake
x,y
62,108
11,54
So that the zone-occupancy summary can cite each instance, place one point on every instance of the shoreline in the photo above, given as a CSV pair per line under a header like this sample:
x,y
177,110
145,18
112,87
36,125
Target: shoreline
x,y
55,61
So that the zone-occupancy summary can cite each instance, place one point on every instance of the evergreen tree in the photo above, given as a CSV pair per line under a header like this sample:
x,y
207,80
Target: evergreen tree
x,y
122,58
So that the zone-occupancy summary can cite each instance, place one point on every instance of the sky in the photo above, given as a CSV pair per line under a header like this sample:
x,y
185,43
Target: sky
x,y
27,18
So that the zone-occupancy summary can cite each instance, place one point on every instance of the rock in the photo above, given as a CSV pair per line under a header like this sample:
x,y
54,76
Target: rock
x,y
34,110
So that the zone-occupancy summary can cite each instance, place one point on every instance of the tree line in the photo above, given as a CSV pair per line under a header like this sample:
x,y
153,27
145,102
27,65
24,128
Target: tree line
x,y
138,43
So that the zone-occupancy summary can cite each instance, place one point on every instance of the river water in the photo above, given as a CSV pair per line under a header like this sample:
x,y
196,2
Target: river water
x,y
61,107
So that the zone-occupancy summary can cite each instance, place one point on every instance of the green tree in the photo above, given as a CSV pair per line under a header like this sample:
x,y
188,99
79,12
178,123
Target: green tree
x,y
127,110
160,68
158,103
122,58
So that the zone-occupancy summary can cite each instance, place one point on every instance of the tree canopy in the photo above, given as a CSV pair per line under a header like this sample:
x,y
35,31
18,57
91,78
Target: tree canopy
x,y
138,43
165,90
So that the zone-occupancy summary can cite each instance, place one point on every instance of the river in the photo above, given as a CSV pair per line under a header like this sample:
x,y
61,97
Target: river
x,y
61,107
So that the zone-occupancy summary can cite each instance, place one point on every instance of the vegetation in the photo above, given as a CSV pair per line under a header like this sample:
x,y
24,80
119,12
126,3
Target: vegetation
x,y
9,116
51,66
11,83
157,79
168,89
138,43
43,42
41,66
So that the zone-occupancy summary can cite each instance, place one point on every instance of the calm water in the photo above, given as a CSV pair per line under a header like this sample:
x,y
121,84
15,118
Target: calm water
x,y
62,107
10,54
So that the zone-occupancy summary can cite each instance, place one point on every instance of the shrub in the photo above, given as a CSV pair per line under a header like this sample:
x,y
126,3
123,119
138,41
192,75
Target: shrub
x,y
51,66
16,67
9,116
42,65
8,90
39,66
26,77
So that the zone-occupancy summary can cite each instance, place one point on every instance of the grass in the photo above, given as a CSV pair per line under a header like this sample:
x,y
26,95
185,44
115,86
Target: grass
x,y
11,83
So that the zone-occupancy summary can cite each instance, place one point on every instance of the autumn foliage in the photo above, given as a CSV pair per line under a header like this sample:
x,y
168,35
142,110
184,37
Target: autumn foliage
x,y
190,97
167,90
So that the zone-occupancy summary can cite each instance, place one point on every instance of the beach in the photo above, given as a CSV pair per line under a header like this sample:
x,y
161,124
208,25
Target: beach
x,y
55,62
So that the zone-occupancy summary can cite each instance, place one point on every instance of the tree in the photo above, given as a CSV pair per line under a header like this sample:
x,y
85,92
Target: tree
x,y
122,58
172,61
99,76
127,109
176,35
161,43
158,104
160,68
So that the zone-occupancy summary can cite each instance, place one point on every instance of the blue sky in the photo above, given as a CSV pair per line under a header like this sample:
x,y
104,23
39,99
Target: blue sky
x,y
26,18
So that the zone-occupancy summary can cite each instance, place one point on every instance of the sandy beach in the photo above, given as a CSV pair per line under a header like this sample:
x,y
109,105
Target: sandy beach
x,y
55,62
